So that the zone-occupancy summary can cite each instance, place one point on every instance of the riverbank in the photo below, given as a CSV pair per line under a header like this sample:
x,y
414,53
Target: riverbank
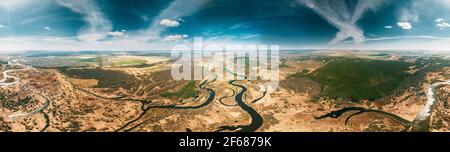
x,y
421,122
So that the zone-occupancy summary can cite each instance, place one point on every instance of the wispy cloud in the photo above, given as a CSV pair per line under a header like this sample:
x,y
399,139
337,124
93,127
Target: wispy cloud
x,y
426,39
117,33
425,43
406,15
249,36
409,37
97,26
175,37
339,14
97,32
238,25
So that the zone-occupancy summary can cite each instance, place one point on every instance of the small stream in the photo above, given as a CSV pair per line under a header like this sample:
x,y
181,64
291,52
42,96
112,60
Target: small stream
x,y
212,95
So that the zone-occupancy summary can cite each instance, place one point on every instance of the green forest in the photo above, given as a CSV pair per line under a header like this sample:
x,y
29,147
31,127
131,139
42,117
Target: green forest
x,y
356,79
188,91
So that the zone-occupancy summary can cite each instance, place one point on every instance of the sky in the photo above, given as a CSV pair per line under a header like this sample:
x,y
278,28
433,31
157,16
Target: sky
x,y
161,24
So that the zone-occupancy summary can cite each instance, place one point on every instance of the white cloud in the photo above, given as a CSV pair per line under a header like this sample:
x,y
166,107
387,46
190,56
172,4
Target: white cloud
x,y
1,26
117,34
175,37
97,26
169,23
439,20
388,27
47,28
442,24
405,25
176,10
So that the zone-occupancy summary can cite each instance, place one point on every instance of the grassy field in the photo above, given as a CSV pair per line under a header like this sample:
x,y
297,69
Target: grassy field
x,y
188,91
357,79
128,62
106,78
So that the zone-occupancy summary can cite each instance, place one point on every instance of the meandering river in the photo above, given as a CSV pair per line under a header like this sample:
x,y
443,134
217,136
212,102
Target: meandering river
x,y
257,119
6,76
3,83
421,122
212,95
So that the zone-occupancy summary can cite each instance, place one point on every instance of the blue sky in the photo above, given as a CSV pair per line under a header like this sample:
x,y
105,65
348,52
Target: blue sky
x,y
161,24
